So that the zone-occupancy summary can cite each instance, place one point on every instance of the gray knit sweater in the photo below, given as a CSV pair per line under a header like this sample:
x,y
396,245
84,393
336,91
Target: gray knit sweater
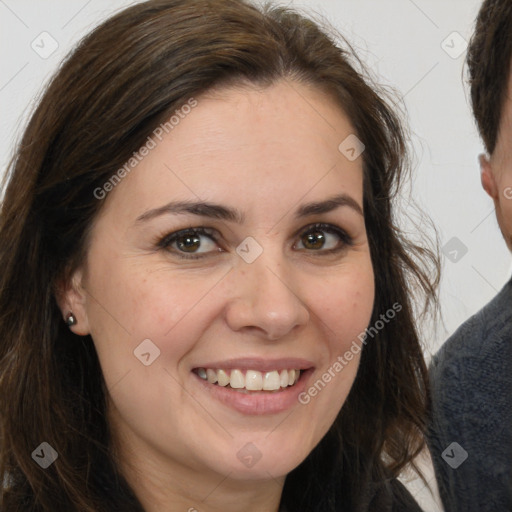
x,y
471,382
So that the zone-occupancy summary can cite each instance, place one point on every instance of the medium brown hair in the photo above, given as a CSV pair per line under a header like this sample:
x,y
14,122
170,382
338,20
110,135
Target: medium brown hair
x,y
119,83
488,59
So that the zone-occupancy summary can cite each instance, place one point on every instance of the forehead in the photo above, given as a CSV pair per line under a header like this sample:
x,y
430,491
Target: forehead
x,y
295,119
255,143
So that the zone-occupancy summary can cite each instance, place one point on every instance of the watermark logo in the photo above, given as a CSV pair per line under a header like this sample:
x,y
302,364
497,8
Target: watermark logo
x,y
249,250
147,352
351,147
454,249
249,455
454,45
45,455
45,45
454,455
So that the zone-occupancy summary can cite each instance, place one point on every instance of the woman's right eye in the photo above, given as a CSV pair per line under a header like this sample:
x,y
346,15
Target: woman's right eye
x,y
193,243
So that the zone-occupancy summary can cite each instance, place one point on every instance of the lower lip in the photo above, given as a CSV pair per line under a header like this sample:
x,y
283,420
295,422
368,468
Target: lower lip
x,y
259,402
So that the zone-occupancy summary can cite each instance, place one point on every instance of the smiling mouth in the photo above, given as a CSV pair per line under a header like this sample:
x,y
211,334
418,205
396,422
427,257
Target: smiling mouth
x,y
250,380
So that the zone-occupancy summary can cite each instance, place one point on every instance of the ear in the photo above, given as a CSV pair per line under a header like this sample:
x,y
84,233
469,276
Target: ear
x,y
487,177
72,298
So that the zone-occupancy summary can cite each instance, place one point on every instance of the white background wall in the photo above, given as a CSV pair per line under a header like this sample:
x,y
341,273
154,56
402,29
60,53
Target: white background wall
x,y
401,41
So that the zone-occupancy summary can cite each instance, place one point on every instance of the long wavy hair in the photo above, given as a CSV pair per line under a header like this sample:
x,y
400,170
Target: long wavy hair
x,y
119,83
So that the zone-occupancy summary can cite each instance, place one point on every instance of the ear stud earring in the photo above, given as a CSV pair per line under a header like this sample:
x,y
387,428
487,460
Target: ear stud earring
x,y
70,320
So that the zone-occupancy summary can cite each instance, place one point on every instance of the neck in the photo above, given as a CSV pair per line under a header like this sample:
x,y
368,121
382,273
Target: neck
x,y
215,496
162,485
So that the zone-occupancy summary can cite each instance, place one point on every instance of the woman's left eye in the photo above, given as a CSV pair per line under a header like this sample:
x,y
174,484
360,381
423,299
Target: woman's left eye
x,y
324,238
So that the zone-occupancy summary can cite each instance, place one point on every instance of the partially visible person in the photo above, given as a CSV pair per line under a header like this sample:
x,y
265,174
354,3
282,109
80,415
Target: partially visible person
x,y
471,376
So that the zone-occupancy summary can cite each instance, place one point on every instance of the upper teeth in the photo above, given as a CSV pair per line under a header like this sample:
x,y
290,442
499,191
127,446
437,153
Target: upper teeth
x,y
253,380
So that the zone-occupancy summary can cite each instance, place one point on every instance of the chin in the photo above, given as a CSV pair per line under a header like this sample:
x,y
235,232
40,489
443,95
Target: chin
x,y
264,459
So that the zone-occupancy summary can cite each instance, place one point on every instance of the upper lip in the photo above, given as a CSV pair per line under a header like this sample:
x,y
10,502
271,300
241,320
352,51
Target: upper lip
x,y
262,365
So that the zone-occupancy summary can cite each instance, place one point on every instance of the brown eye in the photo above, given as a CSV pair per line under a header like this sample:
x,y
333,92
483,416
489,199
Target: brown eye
x,y
188,243
324,239
196,242
313,240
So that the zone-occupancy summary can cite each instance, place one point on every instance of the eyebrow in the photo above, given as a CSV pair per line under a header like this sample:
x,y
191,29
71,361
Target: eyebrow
x,y
217,211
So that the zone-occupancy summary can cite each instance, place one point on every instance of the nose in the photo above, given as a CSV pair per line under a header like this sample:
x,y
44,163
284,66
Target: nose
x,y
263,301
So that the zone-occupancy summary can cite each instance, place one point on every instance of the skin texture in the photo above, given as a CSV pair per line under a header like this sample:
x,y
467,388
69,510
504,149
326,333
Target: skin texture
x,y
265,152
496,171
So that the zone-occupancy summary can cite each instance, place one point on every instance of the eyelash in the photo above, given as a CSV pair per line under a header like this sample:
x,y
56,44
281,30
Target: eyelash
x,y
167,240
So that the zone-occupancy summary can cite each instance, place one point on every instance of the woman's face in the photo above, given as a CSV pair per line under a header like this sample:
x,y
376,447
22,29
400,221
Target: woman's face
x,y
280,280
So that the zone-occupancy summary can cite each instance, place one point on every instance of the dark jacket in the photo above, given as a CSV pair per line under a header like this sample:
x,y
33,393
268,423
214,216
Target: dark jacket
x,y
470,434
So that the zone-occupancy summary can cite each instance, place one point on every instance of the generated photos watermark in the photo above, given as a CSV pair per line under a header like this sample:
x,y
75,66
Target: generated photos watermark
x,y
342,361
45,455
145,149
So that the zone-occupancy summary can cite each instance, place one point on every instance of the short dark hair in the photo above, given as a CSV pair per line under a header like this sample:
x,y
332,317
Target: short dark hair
x,y
488,60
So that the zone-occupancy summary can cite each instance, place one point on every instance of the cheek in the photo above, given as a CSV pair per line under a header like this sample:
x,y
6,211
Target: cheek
x,y
345,305
131,302
506,209
139,310
142,299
